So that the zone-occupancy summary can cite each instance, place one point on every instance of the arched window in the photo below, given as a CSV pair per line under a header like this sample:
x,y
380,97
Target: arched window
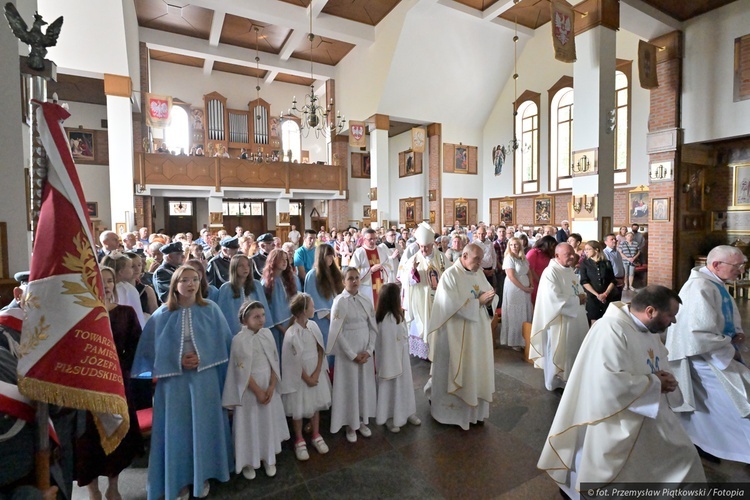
x,y
290,140
527,154
622,128
561,140
177,134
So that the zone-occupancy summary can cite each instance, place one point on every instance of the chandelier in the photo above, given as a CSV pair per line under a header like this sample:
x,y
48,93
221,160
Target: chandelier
x,y
314,115
501,151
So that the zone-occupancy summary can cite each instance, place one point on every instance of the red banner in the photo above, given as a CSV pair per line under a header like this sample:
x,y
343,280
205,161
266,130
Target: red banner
x,y
67,354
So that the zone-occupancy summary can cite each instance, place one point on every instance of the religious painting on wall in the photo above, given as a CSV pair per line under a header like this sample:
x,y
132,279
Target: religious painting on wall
x,y
409,163
543,210
694,193
360,165
741,185
660,210
638,205
461,213
92,207
366,211
461,161
81,143
409,211
502,211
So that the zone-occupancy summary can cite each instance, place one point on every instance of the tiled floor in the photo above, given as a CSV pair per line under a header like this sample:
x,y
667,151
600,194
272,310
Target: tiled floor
x,y
493,460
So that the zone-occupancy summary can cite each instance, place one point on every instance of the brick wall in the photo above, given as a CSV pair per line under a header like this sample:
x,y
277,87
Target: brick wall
x,y
338,210
664,113
434,175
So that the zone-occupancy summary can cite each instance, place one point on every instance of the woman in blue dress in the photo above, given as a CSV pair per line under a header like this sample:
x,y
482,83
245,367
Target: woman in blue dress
x,y
280,283
185,348
323,283
240,288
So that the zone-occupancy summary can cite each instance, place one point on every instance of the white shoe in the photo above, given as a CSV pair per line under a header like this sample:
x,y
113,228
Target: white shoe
x,y
300,450
365,431
206,489
248,472
351,435
270,469
321,445
393,428
414,420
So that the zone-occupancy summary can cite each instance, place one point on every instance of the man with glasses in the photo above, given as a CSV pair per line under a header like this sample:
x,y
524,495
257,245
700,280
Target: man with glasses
x,y
705,353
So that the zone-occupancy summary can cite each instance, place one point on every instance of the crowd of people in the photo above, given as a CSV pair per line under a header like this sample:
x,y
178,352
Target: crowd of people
x,y
277,332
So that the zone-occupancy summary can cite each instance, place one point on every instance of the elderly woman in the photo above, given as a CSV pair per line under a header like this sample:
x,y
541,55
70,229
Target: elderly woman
x,y
453,254
598,279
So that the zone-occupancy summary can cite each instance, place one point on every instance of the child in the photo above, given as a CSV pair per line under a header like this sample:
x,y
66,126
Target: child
x,y
396,404
351,339
305,387
250,389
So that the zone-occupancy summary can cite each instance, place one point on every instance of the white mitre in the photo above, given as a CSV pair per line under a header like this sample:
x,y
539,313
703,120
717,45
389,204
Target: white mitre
x,y
424,234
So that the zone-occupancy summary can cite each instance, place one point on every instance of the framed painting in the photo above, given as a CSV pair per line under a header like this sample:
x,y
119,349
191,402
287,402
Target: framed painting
x,y
741,185
638,205
660,210
409,163
366,211
360,165
410,210
92,208
461,213
121,228
543,210
81,142
461,160
503,211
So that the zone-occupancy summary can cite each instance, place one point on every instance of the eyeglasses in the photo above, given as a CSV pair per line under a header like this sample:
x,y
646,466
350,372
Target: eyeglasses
x,y
185,281
736,266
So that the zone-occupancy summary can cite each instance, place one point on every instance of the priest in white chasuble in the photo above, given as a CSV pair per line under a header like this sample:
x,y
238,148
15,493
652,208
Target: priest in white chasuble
x,y
463,378
559,323
376,267
419,276
614,423
704,353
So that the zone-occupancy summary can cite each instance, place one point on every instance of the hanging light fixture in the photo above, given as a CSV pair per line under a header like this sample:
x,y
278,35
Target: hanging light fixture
x,y
502,151
315,115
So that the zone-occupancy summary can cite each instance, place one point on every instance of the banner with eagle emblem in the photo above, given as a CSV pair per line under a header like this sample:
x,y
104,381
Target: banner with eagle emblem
x,y
563,33
357,134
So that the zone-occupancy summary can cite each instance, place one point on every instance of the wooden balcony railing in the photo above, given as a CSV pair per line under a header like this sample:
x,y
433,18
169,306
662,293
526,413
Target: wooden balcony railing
x,y
164,169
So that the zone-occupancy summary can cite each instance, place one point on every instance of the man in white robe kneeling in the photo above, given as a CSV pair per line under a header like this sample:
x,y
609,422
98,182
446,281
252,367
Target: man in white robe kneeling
x,y
559,323
704,354
614,423
463,378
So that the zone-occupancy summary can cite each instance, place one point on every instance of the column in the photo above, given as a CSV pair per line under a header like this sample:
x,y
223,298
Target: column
x,y
594,97
379,171
663,144
434,178
120,134
282,219
215,211
338,210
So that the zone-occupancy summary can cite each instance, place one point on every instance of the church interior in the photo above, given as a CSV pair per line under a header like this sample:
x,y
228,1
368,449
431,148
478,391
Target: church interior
x,y
460,112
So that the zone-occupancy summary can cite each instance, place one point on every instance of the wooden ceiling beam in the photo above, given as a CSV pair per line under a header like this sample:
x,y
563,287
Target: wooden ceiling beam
x,y
195,47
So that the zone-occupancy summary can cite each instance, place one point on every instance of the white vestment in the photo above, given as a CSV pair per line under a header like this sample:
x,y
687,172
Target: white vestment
x,y
559,324
362,264
127,295
395,384
353,330
418,297
463,378
258,429
613,423
716,387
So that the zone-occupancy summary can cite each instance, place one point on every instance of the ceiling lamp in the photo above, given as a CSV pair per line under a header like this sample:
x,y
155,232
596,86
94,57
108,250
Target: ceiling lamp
x,y
314,115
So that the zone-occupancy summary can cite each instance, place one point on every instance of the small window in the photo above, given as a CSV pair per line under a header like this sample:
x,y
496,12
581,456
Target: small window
x,y
295,208
180,208
622,128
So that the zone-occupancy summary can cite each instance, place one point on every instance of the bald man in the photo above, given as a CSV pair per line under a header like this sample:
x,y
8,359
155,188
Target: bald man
x,y
560,323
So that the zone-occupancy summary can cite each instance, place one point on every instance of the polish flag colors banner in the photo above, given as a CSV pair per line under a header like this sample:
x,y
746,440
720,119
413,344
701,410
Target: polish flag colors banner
x,y
158,110
563,30
67,354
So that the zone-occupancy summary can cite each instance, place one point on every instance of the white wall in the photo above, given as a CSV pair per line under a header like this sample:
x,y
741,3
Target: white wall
x,y
94,178
92,40
708,110
405,187
538,70
190,85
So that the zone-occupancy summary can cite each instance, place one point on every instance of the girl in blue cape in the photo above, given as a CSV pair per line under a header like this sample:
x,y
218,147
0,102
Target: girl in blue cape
x,y
208,291
240,288
280,283
323,283
185,347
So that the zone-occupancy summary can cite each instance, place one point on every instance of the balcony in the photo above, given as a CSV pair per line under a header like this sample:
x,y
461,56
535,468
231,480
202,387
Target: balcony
x,y
153,169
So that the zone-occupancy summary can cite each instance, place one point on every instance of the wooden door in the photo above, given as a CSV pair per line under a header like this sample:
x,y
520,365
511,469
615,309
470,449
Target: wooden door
x,y
179,223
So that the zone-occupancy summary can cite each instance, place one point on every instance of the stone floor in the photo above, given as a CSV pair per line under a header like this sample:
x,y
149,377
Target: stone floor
x,y
494,460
